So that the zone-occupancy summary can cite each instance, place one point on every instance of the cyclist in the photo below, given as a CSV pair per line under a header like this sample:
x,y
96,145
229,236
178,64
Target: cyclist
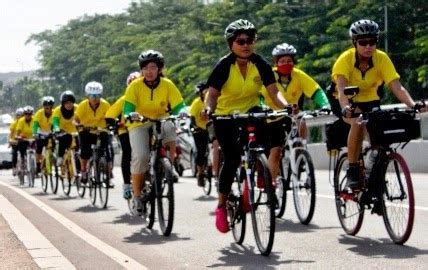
x,y
150,96
90,113
295,85
368,68
12,140
235,85
24,130
199,130
113,118
62,120
42,123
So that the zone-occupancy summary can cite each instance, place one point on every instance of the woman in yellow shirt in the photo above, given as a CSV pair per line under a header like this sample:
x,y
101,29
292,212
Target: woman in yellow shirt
x,y
12,140
24,130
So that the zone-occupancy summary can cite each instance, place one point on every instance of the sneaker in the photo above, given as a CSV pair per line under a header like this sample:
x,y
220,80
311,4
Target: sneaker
x,y
352,178
201,180
221,219
137,206
127,191
59,161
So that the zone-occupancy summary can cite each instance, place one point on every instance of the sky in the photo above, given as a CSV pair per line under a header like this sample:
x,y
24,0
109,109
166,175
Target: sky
x,y
21,18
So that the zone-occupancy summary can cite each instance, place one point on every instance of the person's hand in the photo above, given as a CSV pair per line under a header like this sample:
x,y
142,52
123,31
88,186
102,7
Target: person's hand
x,y
420,106
347,111
295,109
134,116
183,115
205,114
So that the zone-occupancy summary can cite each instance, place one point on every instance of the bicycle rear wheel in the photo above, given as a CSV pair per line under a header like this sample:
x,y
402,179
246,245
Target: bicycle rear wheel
x,y
237,217
92,181
304,187
165,195
349,211
398,202
104,178
282,185
45,176
263,205
66,177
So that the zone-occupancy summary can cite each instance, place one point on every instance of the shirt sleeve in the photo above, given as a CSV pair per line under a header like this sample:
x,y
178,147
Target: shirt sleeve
x,y
265,70
342,67
220,73
388,70
174,95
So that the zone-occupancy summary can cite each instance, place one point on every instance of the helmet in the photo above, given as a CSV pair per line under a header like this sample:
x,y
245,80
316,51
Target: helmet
x,y
28,110
200,87
94,88
132,76
238,27
19,112
48,101
151,56
284,49
363,28
67,95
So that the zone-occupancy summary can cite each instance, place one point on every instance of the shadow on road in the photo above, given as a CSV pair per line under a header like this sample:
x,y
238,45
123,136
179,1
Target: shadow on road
x,y
380,248
93,209
204,198
296,227
63,198
153,237
245,257
128,219
41,193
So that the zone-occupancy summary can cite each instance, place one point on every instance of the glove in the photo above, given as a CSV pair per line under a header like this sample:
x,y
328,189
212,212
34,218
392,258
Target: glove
x,y
419,105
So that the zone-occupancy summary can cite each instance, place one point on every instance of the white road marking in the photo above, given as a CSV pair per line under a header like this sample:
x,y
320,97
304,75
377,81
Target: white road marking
x,y
108,250
44,254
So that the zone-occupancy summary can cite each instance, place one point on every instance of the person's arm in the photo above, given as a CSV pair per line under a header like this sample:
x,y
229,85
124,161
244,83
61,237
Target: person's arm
x,y
35,127
276,96
320,99
55,124
401,93
211,102
341,83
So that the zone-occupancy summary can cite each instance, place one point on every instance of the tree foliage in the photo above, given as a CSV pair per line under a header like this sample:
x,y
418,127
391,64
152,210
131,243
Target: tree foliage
x,y
190,35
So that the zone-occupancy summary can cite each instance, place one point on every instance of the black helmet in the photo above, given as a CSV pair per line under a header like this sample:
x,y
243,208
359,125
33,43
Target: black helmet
x,y
48,101
67,96
238,27
364,28
151,56
200,87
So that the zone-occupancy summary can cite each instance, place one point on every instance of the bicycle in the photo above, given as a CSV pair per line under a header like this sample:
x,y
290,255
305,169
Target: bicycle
x,y
159,184
48,161
98,169
26,166
297,174
252,188
387,187
207,172
70,167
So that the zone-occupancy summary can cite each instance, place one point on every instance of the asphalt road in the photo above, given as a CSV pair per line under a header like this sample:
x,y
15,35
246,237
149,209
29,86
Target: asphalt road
x,y
94,238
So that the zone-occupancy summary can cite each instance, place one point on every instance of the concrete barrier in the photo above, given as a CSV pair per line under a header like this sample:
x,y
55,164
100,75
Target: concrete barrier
x,y
415,153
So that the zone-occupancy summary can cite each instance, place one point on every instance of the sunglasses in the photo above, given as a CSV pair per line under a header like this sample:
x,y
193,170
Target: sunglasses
x,y
94,96
28,114
365,42
242,42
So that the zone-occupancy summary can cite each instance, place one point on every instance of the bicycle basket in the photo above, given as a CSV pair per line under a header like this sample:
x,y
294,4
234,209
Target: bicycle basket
x,y
336,134
386,128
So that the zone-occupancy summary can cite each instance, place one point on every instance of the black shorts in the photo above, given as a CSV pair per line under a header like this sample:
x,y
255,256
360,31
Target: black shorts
x,y
276,132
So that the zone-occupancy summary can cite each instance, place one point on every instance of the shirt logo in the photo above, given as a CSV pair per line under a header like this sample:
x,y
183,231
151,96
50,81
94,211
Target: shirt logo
x,y
257,80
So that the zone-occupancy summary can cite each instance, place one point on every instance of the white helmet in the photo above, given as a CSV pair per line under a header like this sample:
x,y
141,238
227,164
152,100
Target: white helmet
x,y
284,49
94,88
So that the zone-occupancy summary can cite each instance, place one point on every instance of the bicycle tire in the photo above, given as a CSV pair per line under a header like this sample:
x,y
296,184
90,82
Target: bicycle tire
x,y
44,178
21,172
237,217
304,187
351,222
150,206
104,181
281,188
207,181
262,194
32,171
165,190
92,181
66,177
55,179
398,202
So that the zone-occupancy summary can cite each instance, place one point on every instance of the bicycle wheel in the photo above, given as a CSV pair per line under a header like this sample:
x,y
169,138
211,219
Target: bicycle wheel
x,y
55,179
92,181
165,195
349,211
45,178
282,185
31,171
66,177
149,206
207,180
104,178
304,187
262,205
21,169
398,202
237,217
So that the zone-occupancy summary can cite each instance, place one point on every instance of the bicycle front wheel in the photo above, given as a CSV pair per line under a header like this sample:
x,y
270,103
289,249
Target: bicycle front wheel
x,y
398,202
262,205
104,178
237,216
45,177
165,195
54,179
207,180
66,177
349,211
31,171
92,181
282,185
304,187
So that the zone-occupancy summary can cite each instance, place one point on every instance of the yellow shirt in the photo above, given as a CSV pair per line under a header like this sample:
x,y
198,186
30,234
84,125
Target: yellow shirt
x,y
300,84
12,129
24,129
381,70
152,103
115,111
92,118
45,124
64,124
195,110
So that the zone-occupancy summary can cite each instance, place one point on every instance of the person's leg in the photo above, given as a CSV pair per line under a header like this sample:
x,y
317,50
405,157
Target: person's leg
x,y
169,138
201,142
126,157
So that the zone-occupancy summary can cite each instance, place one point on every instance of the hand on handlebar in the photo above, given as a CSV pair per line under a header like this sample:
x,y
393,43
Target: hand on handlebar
x,y
134,116
347,111
206,113
420,106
